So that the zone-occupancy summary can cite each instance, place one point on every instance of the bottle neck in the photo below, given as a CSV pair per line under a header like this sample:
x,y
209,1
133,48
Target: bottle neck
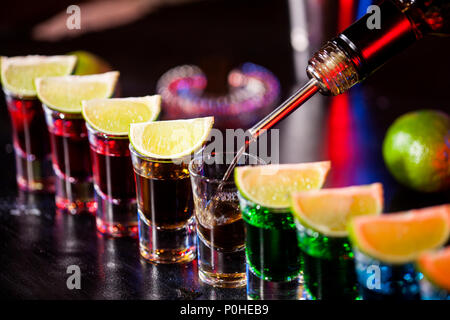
x,y
362,48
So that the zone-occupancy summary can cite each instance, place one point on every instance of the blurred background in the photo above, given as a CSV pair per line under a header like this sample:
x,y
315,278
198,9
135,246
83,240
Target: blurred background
x,y
143,39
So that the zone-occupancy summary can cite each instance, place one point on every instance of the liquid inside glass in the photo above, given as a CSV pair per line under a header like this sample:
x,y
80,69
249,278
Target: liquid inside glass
x,y
328,266
31,144
165,210
71,151
115,188
71,161
271,243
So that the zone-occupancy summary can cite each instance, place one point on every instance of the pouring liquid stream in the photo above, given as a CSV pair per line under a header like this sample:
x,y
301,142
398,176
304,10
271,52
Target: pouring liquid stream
x,y
285,109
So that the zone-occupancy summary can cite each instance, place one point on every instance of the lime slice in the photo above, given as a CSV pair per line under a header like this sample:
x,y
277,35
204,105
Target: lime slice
x,y
436,267
401,237
171,139
114,116
271,185
66,93
328,211
19,73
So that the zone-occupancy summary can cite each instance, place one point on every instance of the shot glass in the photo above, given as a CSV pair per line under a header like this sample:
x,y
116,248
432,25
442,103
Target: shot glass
x,y
71,161
31,144
220,228
328,265
382,281
165,209
114,186
272,253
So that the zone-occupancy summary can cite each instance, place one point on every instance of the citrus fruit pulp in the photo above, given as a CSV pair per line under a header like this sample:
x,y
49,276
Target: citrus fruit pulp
x,y
271,185
65,93
18,73
401,237
114,116
171,139
329,210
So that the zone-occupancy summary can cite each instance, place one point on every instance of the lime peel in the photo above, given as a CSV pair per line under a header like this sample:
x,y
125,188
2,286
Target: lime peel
x,y
328,211
271,185
19,73
170,139
400,238
66,93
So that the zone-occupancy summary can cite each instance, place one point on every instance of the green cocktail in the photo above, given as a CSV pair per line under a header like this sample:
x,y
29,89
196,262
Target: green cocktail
x,y
271,242
327,259
328,266
272,251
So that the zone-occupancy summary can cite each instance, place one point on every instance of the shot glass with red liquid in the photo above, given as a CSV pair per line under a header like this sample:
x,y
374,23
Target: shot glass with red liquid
x,y
71,161
31,143
114,184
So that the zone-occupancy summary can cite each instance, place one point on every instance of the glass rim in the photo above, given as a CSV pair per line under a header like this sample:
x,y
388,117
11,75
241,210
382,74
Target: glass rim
x,y
66,115
307,229
16,96
134,152
95,131
201,155
271,209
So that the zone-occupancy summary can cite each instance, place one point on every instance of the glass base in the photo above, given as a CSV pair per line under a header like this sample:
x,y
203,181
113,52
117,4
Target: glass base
x,y
162,246
224,269
223,280
116,218
75,198
34,175
260,289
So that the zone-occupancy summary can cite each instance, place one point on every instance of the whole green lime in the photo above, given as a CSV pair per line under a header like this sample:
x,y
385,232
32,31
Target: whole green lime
x,y
416,150
89,63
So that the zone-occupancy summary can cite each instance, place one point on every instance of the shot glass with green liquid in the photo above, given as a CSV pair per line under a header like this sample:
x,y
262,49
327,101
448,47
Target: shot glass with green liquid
x,y
272,251
321,218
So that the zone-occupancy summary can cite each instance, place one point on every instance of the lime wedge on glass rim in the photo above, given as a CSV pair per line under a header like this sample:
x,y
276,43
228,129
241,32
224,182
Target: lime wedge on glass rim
x,y
114,116
271,185
18,74
328,211
65,93
398,238
171,139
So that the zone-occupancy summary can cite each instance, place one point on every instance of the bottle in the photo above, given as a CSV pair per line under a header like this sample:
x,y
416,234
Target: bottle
x,y
359,50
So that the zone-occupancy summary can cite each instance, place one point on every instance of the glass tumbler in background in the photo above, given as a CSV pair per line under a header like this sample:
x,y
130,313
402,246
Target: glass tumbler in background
x,y
71,161
165,209
114,185
31,144
272,252
220,228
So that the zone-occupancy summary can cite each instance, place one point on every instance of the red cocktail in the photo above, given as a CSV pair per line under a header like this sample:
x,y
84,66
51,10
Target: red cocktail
x,y
114,184
31,144
71,161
